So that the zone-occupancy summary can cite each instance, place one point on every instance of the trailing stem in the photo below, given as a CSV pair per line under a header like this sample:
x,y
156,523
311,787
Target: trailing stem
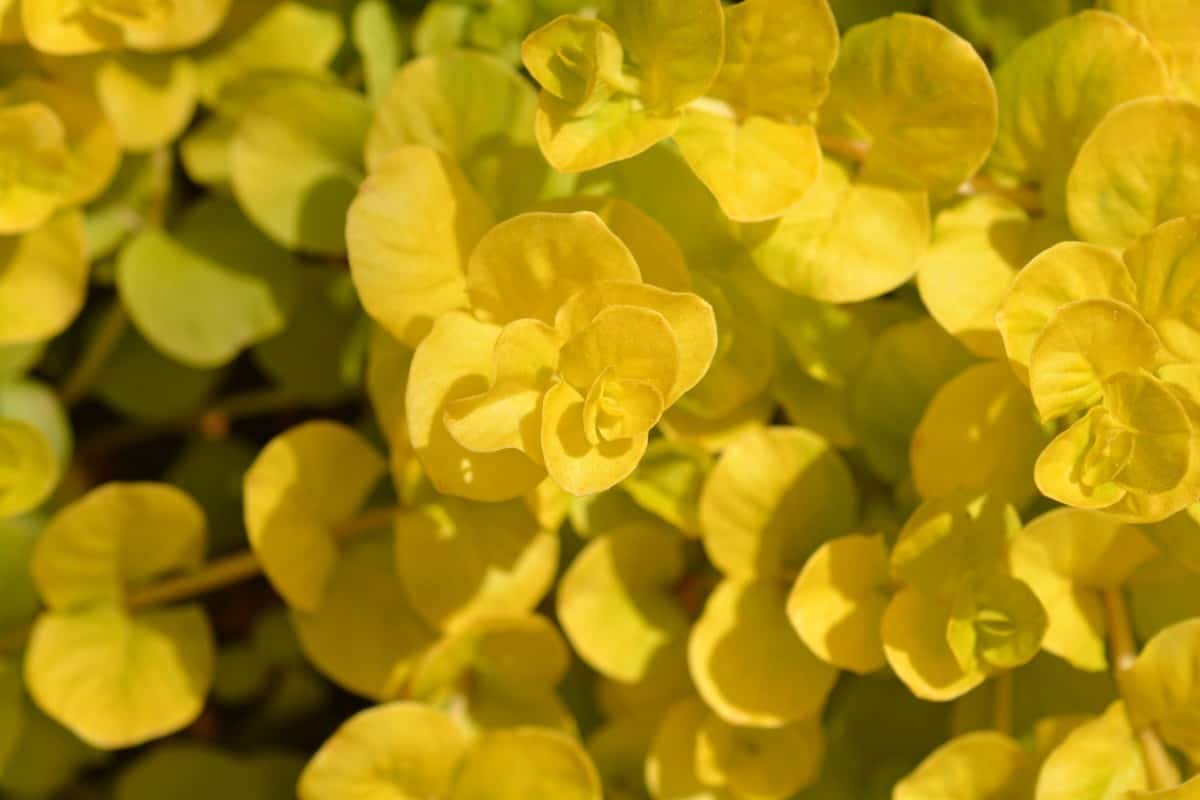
x,y
213,576
1160,769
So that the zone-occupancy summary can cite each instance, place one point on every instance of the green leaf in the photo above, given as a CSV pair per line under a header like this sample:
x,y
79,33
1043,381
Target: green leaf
x,y
378,37
296,162
1053,90
210,288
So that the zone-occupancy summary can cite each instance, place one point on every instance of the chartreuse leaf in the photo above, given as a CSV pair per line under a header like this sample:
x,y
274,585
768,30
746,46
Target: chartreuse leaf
x,y
904,369
1163,685
133,200
93,153
677,47
378,36
266,36
60,28
398,750
980,431
1084,345
672,763
920,98
526,762
32,135
296,162
759,158
478,112
998,623
576,60
837,602
496,27
914,632
756,168
1132,456
759,762
741,368
304,483
116,677
1068,556
749,664
847,239
149,99
409,232
453,362
1172,27
17,538
1179,536
1062,274
668,482
984,765
1126,180
497,672
43,279
772,498
1054,88
615,602
1165,266
977,247
527,267
657,254
951,540
1099,759
210,288
778,57
457,559
35,445
363,598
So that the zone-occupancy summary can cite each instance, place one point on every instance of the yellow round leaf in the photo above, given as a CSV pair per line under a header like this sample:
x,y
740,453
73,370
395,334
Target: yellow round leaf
x,y
772,498
458,559
149,99
1164,265
303,484
837,602
980,431
847,239
677,47
1131,172
918,95
455,361
747,661
979,765
1163,686
760,762
1098,759
117,679
914,640
528,266
1061,274
1173,26
1054,88
615,602
409,231
364,602
526,763
757,168
390,752
43,279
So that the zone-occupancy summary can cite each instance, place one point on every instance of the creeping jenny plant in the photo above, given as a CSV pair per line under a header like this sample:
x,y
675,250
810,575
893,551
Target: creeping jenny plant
x,y
600,399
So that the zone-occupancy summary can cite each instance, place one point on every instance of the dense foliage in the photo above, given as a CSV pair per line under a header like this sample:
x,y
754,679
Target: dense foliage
x,y
581,399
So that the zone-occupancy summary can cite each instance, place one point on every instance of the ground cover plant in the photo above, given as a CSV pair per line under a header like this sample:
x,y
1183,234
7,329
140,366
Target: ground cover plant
x,y
581,399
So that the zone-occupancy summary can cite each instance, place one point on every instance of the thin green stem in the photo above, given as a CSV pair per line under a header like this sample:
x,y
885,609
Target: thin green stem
x,y
1161,771
213,576
99,349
